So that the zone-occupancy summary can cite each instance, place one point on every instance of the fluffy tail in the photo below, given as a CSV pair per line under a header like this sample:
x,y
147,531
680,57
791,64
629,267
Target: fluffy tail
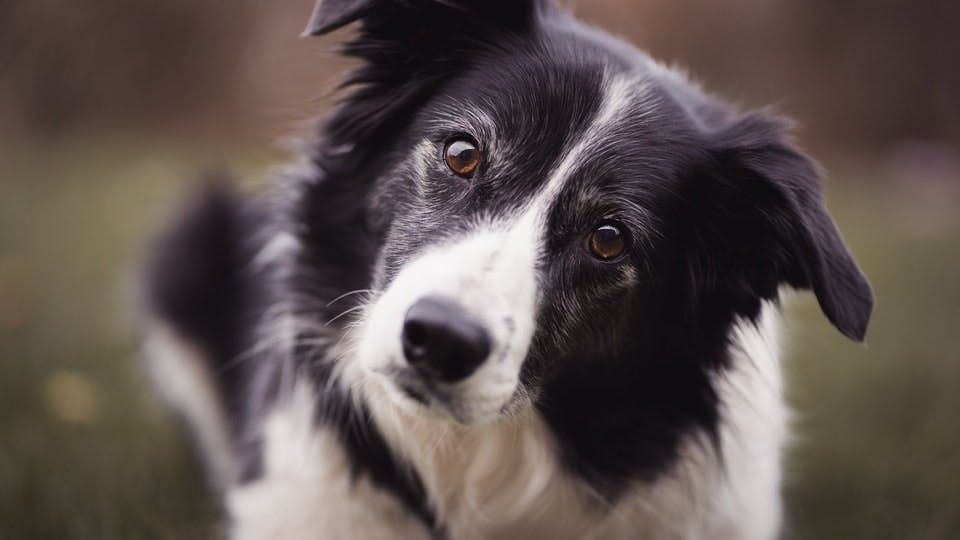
x,y
200,314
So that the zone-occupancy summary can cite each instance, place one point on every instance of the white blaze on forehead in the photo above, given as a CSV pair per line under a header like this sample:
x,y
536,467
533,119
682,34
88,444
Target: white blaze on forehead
x,y
618,94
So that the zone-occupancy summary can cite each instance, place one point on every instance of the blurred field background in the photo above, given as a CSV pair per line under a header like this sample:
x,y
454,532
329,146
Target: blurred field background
x,y
108,108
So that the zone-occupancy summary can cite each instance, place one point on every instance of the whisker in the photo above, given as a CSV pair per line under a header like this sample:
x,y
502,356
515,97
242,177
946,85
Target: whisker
x,y
351,293
347,312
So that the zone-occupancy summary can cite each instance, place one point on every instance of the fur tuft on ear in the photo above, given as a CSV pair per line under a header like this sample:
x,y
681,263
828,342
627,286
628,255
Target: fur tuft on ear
x,y
767,224
328,15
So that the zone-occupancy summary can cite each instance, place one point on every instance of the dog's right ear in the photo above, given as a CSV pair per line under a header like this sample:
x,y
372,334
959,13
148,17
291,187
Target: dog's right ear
x,y
328,15
407,48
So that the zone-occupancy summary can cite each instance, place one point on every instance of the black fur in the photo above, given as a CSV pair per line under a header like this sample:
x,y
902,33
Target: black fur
x,y
721,208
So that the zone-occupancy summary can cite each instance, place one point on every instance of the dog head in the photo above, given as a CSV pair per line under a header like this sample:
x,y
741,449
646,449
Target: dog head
x,y
546,205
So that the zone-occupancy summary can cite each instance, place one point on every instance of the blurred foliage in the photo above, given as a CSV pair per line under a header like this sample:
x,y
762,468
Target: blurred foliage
x,y
117,62
859,73
85,449
87,452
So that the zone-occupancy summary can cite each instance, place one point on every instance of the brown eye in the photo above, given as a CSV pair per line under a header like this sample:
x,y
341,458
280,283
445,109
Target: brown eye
x,y
607,242
462,156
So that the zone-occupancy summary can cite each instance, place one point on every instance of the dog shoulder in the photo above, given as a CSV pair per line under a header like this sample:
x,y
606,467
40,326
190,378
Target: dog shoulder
x,y
308,486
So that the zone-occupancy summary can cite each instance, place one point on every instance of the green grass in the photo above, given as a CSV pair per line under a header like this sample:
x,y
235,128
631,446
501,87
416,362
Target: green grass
x,y
87,452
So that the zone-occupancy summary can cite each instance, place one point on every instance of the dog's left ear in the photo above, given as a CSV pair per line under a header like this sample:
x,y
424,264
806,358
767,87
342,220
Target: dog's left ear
x,y
768,224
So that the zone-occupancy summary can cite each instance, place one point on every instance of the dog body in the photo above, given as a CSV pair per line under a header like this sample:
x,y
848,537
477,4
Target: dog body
x,y
525,287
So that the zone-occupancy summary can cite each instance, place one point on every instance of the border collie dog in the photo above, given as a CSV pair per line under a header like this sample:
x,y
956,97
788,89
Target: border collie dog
x,y
524,286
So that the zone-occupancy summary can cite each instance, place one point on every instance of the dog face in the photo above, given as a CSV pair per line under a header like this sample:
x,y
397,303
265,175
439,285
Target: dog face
x,y
553,214
473,204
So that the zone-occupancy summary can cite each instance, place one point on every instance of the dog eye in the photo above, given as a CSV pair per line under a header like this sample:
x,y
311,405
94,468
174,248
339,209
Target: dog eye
x,y
607,242
462,156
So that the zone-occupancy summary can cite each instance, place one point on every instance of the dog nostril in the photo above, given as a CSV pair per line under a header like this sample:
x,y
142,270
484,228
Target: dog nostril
x,y
442,341
415,338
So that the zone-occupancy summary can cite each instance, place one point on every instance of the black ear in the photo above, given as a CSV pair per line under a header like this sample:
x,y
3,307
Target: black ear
x,y
328,15
764,220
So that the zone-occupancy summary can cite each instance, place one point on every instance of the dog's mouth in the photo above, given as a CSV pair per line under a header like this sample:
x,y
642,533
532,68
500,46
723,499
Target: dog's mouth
x,y
418,389
426,396
414,393
433,399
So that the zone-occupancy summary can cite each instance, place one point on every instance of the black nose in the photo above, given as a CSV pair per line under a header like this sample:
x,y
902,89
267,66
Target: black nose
x,y
442,341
